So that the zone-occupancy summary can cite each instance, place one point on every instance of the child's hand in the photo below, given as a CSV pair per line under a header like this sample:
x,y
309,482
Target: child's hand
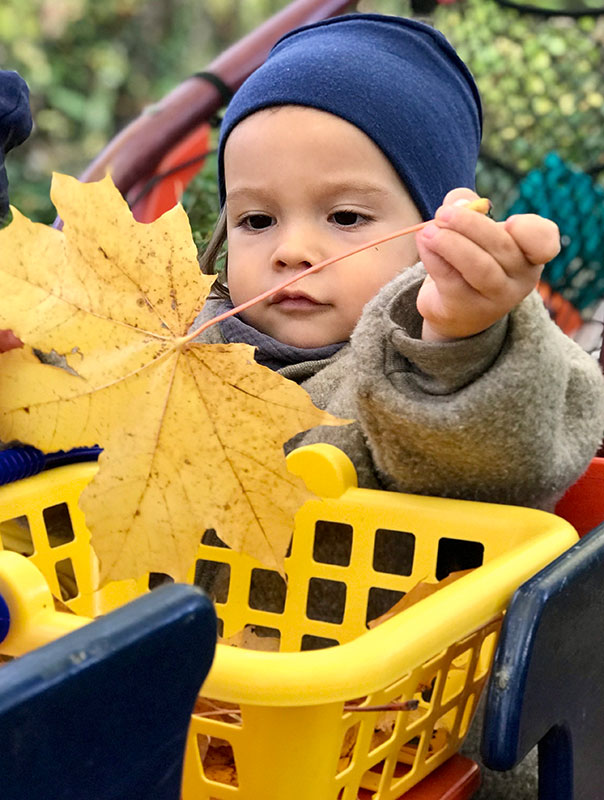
x,y
478,269
8,341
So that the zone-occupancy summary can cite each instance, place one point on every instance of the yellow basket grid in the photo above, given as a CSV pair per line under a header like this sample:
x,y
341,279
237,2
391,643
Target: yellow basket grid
x,y
291,724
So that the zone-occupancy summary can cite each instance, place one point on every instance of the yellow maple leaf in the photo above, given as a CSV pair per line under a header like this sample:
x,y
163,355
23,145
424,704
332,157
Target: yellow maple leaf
x,y
192,433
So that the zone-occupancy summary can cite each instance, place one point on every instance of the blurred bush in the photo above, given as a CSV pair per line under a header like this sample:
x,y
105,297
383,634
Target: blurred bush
x,y
540,78
93,66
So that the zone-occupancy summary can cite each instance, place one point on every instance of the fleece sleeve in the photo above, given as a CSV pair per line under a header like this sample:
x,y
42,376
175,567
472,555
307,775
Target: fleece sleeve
x,y
511,415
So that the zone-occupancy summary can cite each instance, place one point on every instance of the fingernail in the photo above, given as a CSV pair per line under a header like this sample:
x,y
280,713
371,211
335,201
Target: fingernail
x,y
430,231
444,214
461,202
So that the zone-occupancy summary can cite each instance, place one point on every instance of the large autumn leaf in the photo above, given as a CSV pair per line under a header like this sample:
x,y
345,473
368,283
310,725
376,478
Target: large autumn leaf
x,y
192,433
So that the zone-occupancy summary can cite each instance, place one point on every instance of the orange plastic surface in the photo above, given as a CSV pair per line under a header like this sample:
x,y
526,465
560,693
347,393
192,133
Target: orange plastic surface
x,y
583,503
169,189
564,314
457,779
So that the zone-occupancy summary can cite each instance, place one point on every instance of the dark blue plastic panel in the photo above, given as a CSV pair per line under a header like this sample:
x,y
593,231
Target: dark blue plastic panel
x,y
547,684
102,713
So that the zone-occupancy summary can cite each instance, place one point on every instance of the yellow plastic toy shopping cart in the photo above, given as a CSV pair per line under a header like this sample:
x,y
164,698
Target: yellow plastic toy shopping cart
x,y
340,709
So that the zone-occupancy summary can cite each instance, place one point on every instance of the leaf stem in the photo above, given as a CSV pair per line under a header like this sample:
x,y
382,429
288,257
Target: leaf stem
x,y
482,205
406,705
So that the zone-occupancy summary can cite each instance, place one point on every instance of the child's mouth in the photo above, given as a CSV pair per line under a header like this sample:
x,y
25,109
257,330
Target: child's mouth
x,y
294,301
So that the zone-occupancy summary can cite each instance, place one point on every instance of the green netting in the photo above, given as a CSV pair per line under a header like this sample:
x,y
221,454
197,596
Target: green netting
x,y
576,204
540,79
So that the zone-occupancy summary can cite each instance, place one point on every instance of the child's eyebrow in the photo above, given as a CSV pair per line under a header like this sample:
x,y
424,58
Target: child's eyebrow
x,y
324,188
356,187
247,192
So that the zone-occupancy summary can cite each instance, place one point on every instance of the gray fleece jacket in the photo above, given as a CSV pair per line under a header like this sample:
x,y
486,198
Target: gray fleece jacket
x,y
511,415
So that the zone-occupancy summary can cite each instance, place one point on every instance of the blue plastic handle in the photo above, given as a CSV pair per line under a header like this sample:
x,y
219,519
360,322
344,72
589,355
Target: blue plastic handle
x,y
4,619
23,461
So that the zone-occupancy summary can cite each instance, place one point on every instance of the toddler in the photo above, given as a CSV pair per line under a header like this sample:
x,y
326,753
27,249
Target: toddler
x,y
437,345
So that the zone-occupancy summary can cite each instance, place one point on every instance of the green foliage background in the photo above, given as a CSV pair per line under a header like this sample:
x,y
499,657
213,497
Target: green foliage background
x,y
92,67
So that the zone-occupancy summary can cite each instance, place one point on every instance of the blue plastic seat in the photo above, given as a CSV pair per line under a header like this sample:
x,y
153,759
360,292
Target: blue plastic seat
x,y
547,684
103,713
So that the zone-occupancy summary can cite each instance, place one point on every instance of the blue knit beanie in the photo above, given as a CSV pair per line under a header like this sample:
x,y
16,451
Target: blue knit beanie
x,y
397,79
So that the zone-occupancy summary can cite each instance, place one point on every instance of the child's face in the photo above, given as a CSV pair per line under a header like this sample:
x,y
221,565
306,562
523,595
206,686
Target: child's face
x,y
302,186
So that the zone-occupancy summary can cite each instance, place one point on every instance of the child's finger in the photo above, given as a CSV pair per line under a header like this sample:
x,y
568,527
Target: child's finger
x,y
537,238
490,236
475,264
459,196
439,267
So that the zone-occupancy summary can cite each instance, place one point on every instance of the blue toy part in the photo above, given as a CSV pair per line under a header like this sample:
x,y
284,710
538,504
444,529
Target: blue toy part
x,y
547,684
4,619
15,127
102,713
23,461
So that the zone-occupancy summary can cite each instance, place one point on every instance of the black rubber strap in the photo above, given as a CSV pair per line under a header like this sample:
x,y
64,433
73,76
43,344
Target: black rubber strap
x,y
225,91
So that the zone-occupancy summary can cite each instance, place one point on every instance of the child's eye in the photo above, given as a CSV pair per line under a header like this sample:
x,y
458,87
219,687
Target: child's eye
x,y
257,222
348,219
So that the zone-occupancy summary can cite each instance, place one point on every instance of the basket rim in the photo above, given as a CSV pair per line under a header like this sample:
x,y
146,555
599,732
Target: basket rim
x,y
430,626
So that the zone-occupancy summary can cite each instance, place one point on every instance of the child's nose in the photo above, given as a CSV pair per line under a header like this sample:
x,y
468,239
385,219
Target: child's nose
x,y
294,251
